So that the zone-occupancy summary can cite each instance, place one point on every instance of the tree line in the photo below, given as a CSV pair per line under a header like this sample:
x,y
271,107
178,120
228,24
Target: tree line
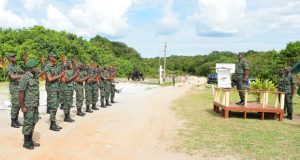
x,y
38,41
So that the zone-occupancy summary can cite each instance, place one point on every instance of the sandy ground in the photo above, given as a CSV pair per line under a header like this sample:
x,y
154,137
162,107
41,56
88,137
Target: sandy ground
x,y
141,126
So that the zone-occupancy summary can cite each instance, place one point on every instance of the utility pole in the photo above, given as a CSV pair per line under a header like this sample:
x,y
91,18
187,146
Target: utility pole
x,y
165,60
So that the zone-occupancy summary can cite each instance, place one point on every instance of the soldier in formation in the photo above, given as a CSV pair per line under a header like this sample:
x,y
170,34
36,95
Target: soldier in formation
x,y
29,102
15,73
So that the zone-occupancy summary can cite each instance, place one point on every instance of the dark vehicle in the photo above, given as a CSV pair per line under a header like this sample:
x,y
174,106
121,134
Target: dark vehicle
x,y
136,75
212,78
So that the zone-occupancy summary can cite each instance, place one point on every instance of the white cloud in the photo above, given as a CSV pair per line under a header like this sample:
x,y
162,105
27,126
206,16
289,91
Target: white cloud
x,y
219,16
12,20
169,23
57,20
91,17
32,4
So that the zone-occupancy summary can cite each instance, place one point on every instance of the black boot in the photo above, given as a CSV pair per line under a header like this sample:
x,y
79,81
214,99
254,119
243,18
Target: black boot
x,y
112,101
27,143
290,117
61,106
57,126
107,104
53,126
48,110
68,118
79,113
32,142
14,123
17,121
102,105
88,109
94,107
240,103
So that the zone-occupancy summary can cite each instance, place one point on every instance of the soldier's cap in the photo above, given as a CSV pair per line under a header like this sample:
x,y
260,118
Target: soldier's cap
x,y
31,63
11,54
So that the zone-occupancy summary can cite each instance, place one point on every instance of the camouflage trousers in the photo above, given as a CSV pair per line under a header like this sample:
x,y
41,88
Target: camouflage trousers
x,y
53,104
62,93
68,100
15,107
104,91
95,94
288,104
79,96
112,92
31,117
240,85
88,97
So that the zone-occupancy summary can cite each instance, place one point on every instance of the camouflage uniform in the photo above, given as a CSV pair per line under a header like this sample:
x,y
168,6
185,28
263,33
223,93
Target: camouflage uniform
x,y
241,66
88,92
53,90
95,89
68,94
14,91
62,87
288,83
104,86
30,85
79,90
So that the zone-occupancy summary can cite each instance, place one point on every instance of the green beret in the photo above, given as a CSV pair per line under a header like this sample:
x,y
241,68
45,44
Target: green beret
x,y
31,63
11,55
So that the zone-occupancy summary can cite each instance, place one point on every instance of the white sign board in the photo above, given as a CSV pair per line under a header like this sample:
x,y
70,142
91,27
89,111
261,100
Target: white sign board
x,y
224,78
228,66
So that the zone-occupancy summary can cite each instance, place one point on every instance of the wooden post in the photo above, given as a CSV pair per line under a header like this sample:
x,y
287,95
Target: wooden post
x,y
246,98
267,98
227,96
282,100
277,99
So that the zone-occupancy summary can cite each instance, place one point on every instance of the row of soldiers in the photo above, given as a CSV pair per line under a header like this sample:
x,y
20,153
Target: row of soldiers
x,y
61,82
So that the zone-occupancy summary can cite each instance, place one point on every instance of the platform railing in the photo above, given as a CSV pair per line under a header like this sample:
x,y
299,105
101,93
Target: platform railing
x,y
223,96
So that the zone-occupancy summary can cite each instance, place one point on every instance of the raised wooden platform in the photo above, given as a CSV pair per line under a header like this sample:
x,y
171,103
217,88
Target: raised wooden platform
x,y
251,107
222,97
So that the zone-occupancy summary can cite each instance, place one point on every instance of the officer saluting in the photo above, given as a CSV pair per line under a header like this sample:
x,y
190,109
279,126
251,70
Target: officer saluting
x,y
29,101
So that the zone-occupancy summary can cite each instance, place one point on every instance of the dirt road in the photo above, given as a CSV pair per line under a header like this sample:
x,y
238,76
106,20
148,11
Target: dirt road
x,y
140,126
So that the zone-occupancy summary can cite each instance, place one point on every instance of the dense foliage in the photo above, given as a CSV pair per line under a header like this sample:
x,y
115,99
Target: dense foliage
x,y
38,41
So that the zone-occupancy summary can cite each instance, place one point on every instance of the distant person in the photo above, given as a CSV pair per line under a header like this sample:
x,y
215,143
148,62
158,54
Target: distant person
x,y
242,75
173,78
289,89
29,102
14,73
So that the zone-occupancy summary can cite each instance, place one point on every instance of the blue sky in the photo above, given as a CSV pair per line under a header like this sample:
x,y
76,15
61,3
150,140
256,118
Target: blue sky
x,y
189,27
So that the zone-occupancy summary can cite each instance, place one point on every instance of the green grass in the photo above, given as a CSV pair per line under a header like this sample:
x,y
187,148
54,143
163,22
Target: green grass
x,y
207,131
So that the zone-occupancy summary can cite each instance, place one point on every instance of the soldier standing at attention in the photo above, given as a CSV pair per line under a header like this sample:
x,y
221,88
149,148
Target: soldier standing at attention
x,y
53,76
29,102
105,86
242,75
112,75
289,89
79,89
15,73
88,90
69,88
95,90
